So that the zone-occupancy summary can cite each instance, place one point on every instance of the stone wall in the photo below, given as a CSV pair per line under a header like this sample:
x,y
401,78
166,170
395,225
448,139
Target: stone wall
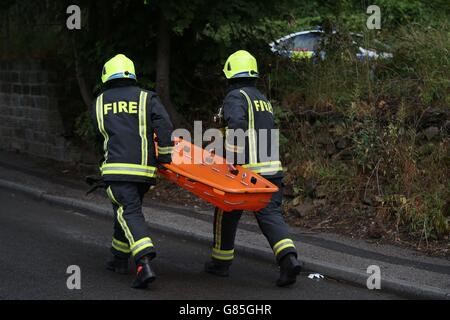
x,y
30,104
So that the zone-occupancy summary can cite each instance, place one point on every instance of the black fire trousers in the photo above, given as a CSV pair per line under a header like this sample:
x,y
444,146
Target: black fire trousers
x,y
270,221
131,233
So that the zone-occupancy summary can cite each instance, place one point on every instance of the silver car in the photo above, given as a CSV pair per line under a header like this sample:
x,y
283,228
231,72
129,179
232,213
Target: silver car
x,y
305,45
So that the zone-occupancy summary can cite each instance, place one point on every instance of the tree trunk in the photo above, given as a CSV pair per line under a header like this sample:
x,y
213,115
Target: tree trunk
x,y
163,71
86,94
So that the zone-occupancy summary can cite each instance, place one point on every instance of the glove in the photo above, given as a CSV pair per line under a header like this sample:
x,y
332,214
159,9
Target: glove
x,y
233,169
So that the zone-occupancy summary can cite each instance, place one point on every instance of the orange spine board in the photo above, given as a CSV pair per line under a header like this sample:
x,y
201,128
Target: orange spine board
x,y
208,176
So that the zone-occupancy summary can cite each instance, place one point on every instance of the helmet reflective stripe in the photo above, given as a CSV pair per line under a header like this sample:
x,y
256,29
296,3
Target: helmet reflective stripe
x,y
121,75
118,67
241,64
245,74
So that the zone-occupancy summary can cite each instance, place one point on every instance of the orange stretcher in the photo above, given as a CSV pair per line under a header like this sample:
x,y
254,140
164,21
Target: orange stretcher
x,y
210,178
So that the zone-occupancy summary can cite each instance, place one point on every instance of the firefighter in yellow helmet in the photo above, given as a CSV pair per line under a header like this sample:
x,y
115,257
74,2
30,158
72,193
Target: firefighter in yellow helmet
x,y
126,117
246,108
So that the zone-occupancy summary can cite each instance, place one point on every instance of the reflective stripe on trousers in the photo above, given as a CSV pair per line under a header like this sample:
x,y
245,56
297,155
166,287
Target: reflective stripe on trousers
x,y
140,245
120,246
120,218
281,245
223,254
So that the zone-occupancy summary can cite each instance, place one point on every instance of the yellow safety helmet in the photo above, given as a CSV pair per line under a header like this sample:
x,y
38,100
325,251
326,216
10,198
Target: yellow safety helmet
x,y
241,64
118,67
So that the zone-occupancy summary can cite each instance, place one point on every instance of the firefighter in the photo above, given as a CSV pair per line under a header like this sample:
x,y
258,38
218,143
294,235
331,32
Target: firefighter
x,y
246,108
127,117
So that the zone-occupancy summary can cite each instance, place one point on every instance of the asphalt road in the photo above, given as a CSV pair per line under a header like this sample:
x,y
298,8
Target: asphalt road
x,y
39,241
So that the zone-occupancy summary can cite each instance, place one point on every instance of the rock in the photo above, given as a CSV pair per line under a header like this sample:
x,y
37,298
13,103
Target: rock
x,y
323,140
375,231
310,187
446,127
345,154
434,117
296,201
446,209
330,149
319,202
426,149
371,212
367,201
288,191
302,210
342,143
321,192
431,132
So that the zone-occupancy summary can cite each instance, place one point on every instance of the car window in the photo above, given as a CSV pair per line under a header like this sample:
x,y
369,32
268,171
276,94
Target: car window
x,y
307,42
286,45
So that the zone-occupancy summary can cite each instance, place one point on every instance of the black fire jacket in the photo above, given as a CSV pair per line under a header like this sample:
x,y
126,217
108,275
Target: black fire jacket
x,y
127,117
246,108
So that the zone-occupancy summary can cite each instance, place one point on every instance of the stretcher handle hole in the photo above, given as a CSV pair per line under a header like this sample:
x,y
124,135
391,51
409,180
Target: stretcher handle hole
x,y
233,203
253,180
219,191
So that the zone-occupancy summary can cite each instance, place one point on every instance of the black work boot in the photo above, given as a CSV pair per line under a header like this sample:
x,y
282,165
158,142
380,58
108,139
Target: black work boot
x,y
144,273
290,268
217,268
119,265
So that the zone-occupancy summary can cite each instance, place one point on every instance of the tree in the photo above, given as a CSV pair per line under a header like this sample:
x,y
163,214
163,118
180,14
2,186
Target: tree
x,y
163,70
